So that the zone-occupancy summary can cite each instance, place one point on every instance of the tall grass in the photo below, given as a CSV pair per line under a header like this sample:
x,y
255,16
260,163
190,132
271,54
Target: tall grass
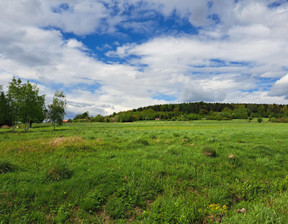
x,y
145,172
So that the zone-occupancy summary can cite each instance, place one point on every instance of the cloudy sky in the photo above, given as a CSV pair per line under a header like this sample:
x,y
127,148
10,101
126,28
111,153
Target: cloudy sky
x,y
115,55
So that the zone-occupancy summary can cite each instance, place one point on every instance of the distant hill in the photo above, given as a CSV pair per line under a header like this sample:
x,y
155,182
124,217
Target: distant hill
x,y
194,111
200,110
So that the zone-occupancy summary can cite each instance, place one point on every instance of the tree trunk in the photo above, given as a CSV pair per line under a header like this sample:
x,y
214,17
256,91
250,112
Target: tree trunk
x,y
27,127
54,126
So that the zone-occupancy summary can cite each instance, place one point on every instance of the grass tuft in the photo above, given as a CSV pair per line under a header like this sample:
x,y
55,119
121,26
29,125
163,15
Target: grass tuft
x,y
58,172
142,142
6,166
209,152
92,202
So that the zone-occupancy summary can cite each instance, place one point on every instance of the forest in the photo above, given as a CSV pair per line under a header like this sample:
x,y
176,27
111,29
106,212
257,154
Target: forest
x,y
194,111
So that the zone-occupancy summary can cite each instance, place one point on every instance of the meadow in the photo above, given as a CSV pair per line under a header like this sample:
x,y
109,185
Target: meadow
x,y
145,172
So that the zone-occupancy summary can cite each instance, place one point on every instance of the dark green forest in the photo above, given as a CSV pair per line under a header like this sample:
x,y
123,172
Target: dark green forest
x,y
195,111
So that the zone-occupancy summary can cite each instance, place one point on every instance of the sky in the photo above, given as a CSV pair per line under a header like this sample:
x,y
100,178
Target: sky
x,y
115,55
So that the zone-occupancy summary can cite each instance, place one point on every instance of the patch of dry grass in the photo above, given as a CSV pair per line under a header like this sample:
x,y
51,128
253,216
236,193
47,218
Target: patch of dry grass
x,y
64,140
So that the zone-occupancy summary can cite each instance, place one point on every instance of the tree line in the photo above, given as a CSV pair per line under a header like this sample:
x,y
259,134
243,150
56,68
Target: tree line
x,y
194,111
209,111
21,103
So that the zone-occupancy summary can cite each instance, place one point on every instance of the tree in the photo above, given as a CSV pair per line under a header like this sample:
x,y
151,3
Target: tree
x,y
25,103
4,109
33,105
57,109
13,97
85,115
5,117
261,111
240,113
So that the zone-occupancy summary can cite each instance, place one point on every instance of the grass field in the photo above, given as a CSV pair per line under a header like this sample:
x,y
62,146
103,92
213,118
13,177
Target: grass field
x,y
145,172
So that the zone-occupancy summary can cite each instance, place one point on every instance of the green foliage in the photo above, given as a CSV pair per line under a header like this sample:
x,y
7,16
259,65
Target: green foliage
x,y
215,116
99,118
84,116
259,119
279,120
199,110
240,113
57,109
5,110
25,103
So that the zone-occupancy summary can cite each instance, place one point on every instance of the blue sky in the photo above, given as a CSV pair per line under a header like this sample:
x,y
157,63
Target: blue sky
x,y
114,55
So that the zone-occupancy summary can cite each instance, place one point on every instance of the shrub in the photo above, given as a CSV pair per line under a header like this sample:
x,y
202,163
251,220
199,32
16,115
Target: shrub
x,y
6,166
58,172
209,152
279,120
259,119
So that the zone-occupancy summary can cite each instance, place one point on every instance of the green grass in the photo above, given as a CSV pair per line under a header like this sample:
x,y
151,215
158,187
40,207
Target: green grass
x,y
145,172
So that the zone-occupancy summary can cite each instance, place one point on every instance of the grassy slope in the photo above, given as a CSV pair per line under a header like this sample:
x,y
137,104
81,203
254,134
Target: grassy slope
x,y
149,172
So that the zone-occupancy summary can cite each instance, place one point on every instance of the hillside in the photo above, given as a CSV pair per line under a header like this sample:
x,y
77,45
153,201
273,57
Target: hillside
x,y
200,110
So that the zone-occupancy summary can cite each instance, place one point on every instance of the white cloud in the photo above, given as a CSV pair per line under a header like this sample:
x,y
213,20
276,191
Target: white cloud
x,y
249,33
80,17
280,88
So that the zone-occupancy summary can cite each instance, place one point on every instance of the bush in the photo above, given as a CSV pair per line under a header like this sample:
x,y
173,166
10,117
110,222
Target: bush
x,y
278,120
6,166
259,119
214,117
58,172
